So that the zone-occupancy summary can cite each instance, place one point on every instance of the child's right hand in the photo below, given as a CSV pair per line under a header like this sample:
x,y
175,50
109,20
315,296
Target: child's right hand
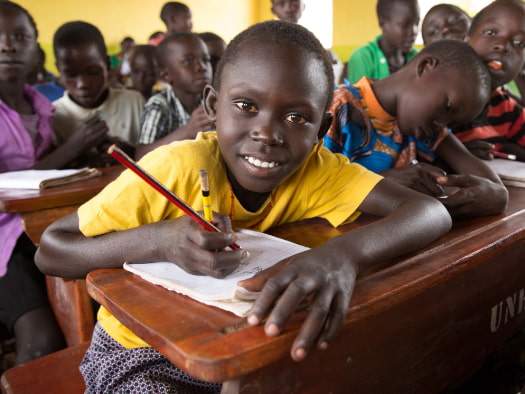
x,y
89,134
480,148
421,177
198,122
198,251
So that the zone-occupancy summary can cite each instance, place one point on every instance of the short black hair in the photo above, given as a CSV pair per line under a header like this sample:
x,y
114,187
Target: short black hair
x,y
162,48
278,31
148,51
208,36
172,8
5,4
481,14
384,7
76,33
457,54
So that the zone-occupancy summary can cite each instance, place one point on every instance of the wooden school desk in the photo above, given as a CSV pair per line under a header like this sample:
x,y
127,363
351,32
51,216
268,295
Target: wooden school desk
x,y
416,326
39,208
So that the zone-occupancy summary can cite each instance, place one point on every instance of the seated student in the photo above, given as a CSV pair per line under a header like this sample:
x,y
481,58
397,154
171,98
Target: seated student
x,y
82,60
498,36
119,67
388,124
398,20
267,162
444,22
177,17
292,11
177,113
156,38
216,46
26,141
144,70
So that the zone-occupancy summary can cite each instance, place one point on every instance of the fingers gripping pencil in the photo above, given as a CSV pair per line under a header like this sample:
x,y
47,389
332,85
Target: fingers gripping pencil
x,y
128,162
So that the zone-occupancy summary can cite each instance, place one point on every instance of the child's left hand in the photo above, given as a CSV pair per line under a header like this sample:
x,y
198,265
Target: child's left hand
x,y
287,285
466,200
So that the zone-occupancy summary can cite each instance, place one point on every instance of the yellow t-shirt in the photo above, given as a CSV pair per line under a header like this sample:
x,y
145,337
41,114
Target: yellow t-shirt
x,y
327,185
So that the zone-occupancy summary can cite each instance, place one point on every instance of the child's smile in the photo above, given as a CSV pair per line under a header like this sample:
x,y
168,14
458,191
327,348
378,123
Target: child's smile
x,y
264,137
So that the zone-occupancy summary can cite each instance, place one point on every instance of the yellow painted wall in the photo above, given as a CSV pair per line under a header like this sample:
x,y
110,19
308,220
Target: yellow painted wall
x,y
355,23
138,18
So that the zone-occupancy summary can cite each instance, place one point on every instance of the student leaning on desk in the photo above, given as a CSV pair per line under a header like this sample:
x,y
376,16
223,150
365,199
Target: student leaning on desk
x,y
388,124
266,167
27,141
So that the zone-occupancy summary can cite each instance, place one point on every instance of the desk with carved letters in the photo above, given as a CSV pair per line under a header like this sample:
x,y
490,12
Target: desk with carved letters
x,y
416,324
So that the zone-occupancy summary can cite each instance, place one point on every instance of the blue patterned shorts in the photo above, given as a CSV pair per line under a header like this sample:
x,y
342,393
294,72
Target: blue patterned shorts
x,y
108,367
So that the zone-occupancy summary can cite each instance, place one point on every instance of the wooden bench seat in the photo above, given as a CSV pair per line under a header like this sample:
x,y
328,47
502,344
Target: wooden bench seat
x,y
55,373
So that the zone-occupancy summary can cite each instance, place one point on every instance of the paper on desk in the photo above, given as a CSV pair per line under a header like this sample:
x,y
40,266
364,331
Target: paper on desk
x,y
265,250
512,173
41,179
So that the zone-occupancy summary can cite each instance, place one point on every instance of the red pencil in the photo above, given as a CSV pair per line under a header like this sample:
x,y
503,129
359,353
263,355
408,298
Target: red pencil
x,y
507,156
128,162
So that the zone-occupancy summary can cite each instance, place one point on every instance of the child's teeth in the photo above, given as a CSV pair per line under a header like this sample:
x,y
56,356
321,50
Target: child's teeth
x,y
262,164
495,64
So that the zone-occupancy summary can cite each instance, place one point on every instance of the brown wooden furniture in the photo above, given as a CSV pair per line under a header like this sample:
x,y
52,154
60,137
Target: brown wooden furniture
x,y
39,208
52,374
416,324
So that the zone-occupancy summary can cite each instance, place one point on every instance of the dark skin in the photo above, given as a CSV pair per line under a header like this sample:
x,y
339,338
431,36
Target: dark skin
x,y
444,22
499,40
426,99
187,69
36,331
399,31
264,138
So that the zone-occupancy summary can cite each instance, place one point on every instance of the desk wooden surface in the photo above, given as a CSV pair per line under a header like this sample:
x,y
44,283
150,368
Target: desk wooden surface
x,y
415,326
21,200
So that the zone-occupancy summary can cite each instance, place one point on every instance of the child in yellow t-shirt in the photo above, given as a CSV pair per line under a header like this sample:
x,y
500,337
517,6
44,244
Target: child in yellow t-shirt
x,y
267,167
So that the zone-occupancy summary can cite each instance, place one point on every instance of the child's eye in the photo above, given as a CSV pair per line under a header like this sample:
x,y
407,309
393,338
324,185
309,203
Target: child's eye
x,y
22,37
489,32
519,43
296,118
246,107
188,61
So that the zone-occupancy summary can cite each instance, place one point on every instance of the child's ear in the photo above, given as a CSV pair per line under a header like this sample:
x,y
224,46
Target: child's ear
x,y
163,74
210,102
426,64
328,117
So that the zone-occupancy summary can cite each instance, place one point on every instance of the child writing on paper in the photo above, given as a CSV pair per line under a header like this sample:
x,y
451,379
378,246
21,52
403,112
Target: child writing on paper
x,y
26,141
89,102
399,23
177,113
497,34
391,123
266,166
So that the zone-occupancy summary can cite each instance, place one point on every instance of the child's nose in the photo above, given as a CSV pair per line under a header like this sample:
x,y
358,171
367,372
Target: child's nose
x,y
7,44
501,44
268,135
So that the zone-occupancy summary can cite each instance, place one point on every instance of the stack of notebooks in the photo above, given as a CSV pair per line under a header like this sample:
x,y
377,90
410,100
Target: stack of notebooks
x,y
42,179
265,250
512,173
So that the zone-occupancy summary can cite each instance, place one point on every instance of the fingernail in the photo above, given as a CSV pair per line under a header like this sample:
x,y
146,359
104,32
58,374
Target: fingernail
x,y
323,345
253,320
245,255
272,330
300,354
442,179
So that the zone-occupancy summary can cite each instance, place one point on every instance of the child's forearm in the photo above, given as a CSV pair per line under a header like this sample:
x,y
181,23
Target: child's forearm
x,y
64,251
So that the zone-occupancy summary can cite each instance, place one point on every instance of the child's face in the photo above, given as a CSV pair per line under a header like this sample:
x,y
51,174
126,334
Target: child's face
x,y
18,48
499,40
288,10
180,23
445,22
144,73
268,114
436,99
84,72
188,67
400,29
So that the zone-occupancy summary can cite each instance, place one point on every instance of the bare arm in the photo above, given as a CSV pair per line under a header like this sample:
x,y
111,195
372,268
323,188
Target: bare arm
x,y
64,251
481,192
327,273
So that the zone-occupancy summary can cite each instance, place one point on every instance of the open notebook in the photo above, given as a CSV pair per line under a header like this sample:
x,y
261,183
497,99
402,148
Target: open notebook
x,y
512,173
265,250
42,179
